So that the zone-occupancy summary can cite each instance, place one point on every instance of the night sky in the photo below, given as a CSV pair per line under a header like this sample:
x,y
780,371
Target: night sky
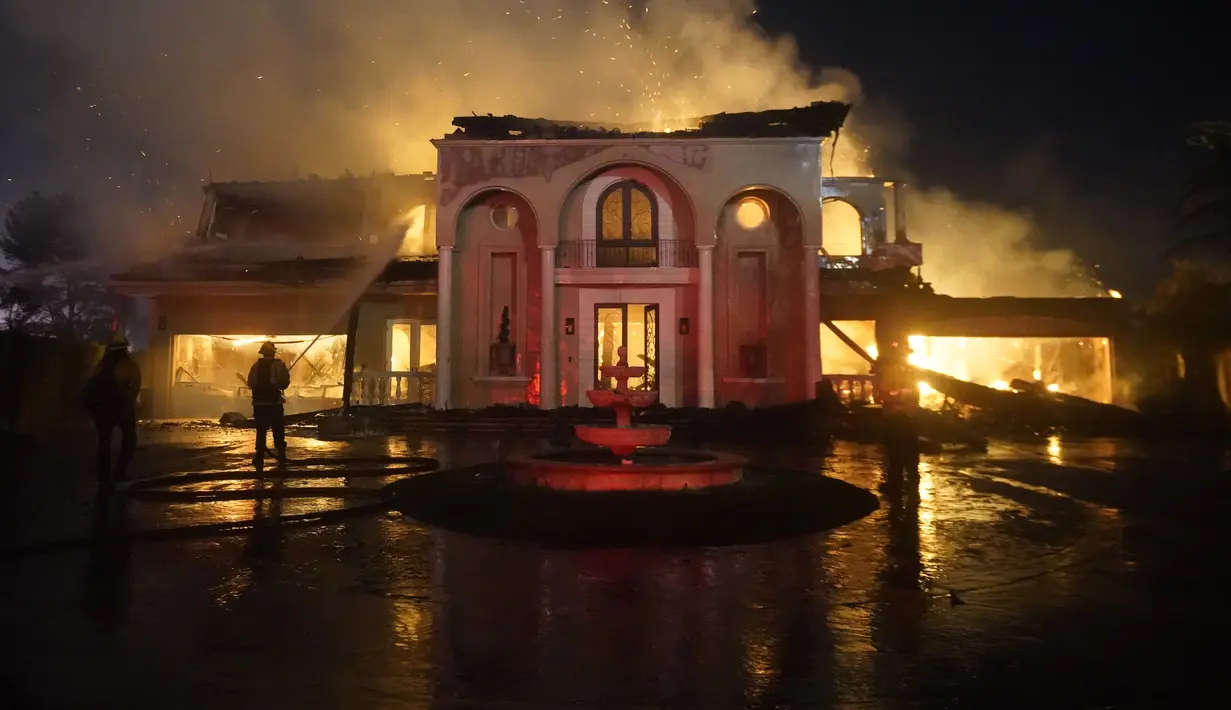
x,y
1073,112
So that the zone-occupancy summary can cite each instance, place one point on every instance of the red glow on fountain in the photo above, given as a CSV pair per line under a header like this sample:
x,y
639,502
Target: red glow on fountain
x,y
623,439
630,462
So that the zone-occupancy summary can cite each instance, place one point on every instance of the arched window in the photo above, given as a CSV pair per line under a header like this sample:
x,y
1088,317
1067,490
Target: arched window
x,y
627,225
841,228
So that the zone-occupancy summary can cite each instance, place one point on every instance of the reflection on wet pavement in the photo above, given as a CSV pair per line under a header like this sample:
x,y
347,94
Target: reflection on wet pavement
x,y
1049,574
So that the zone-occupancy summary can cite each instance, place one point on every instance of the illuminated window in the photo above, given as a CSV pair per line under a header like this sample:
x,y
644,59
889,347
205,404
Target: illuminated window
x,y
627,213
411,345
411,349
751,212
504,216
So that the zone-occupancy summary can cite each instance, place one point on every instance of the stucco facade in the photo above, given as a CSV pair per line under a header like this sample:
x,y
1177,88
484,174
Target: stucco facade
x,y
517,270
724,295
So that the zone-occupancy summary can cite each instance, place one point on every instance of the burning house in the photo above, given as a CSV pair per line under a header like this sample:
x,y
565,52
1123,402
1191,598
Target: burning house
x,y
541,247
285,260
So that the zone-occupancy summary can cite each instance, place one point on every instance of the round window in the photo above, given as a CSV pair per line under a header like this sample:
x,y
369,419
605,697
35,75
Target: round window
x,y
504,216
751,212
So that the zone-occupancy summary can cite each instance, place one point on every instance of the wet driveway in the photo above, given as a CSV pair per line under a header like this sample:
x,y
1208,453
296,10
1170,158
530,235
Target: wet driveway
x,y
1047,575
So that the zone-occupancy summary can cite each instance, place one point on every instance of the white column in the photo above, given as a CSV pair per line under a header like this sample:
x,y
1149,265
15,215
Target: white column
x,y
549,381
444,327
705,326
812,321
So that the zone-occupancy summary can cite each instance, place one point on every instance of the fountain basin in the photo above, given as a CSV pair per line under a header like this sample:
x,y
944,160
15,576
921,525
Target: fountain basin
x,y
623,441
646,469
611,398
766,505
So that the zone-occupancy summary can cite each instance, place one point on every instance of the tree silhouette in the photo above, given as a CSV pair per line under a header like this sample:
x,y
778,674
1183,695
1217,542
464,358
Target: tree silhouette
x,y
503,336
1189,311
50,284
1205,210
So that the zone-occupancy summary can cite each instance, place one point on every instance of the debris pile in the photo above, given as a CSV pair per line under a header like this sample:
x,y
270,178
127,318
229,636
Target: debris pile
x,y
1028,406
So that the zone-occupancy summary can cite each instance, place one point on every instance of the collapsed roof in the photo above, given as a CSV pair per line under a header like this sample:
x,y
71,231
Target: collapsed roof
x,y
817,120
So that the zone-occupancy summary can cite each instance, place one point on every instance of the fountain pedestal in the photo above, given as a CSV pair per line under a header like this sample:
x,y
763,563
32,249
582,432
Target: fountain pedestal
x,y
623,439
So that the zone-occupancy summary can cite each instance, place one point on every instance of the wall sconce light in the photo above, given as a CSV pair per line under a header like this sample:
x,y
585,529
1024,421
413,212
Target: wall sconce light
x,y
684,326
569,326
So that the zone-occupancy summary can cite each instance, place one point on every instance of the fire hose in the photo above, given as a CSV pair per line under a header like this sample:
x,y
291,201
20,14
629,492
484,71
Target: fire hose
x,y
168,489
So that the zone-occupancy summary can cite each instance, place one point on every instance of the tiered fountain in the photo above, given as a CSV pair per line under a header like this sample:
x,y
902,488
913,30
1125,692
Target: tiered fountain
x,y
626,458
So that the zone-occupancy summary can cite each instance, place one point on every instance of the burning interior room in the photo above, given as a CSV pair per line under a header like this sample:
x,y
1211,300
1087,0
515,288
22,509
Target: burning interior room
x,y
212,369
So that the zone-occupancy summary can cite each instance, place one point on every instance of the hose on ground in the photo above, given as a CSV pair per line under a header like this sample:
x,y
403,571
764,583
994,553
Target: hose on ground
x,y
272,485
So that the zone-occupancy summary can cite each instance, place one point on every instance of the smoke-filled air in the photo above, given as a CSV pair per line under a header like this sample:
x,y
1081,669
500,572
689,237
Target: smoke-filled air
x,y
277,89
268,88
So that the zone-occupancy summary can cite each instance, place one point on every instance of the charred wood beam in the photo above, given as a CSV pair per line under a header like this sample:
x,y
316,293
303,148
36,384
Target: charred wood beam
x,y
819,119
849,343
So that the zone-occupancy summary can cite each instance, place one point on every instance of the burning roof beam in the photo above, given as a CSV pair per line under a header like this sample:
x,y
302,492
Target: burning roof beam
x,y
818,120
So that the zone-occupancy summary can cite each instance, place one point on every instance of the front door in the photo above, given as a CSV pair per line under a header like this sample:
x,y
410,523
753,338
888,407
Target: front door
x,y
635,327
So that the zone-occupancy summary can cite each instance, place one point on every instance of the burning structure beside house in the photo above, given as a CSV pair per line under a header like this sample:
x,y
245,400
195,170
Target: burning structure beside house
x,y
285,261
541,247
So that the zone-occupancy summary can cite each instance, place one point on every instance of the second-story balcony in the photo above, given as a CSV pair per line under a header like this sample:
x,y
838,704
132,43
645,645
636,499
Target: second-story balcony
x,y
665,253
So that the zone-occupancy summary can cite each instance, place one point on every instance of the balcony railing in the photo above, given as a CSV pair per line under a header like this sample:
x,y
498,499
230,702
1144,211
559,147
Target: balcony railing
x,y
853,389
384,388
667,253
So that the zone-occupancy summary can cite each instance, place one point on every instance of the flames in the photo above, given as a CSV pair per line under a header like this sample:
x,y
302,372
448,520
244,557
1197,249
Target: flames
x,y
415,238
1076,366
1004,264
1080,367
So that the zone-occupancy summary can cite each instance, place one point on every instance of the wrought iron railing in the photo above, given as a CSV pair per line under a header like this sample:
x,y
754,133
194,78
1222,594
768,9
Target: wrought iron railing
x,y
666,253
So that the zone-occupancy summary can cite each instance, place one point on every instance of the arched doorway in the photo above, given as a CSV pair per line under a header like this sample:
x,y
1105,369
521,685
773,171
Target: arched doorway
x,y
498,289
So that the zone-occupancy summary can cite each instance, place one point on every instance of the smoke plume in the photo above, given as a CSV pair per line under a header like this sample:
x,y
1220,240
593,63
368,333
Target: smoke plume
x,y
970,248
267,88
152,97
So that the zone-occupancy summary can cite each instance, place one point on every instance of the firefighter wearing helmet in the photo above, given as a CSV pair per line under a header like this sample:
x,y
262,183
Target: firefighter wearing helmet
x,y
110,396
899,396
268,379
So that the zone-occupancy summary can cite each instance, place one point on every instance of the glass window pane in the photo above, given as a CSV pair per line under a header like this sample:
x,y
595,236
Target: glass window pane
x,y
427,346
642,227
613,216
636,342
399,347
610,336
